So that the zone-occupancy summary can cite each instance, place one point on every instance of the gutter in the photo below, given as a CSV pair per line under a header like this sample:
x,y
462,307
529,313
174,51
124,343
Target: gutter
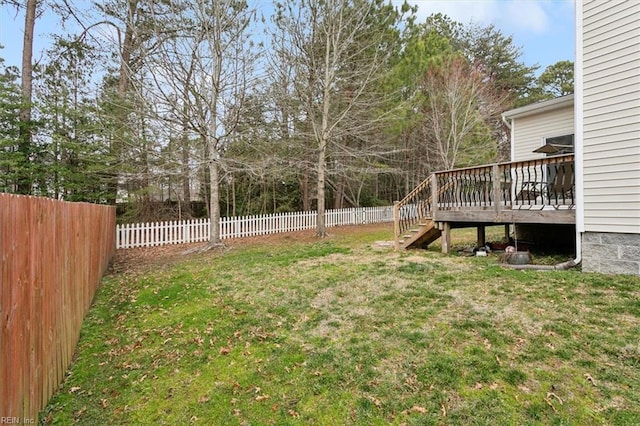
x,y
505,121
512,145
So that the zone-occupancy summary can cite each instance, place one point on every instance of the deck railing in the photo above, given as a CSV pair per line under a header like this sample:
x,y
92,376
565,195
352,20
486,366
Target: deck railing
x,y
541,183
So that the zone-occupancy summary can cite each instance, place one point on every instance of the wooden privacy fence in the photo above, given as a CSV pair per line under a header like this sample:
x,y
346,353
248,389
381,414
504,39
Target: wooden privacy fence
x,y
197,230
53,256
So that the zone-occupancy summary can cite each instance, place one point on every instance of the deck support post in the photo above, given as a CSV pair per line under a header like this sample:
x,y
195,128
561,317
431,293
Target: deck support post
x,y
481,235
446,237
507,232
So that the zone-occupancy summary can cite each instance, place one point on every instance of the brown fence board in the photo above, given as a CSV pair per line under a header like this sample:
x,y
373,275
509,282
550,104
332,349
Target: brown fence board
x,y
53,255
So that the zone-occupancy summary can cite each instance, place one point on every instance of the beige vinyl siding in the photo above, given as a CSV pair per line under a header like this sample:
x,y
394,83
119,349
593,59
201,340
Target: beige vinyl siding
x,y
530,131
611,104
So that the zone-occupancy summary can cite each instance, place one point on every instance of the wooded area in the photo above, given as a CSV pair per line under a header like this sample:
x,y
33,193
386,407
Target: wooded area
x,y
253,107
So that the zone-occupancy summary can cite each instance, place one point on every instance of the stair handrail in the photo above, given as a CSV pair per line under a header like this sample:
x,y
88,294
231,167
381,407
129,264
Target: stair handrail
x,y
405,218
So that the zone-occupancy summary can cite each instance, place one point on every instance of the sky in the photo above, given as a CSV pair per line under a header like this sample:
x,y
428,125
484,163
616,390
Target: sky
x,y
543,29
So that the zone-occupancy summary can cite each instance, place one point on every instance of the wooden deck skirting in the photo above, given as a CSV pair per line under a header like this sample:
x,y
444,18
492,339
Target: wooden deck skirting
x,y
534,191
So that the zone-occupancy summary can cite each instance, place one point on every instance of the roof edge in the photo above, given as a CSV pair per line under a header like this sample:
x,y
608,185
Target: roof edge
x,y
538,107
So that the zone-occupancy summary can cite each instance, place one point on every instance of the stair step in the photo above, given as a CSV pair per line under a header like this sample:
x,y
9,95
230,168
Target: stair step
x,y
425,233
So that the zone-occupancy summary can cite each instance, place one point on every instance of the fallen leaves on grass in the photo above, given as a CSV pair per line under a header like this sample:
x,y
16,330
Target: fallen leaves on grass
x,y
375,401
418,409
547,399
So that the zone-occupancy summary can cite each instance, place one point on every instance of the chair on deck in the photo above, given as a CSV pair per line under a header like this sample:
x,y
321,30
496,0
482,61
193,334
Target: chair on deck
x,y
560,183
530,191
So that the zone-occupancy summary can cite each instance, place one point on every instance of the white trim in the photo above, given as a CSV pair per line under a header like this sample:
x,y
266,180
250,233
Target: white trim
x,y
513,139
538,107
578,111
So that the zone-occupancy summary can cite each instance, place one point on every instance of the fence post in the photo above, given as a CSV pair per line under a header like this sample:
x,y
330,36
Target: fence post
x,y
396,224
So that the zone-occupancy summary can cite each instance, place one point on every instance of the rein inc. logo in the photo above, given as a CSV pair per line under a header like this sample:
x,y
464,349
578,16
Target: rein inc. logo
x,y
17,421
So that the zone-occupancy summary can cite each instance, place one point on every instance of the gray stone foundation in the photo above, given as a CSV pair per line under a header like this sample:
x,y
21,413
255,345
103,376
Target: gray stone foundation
x,y
611,253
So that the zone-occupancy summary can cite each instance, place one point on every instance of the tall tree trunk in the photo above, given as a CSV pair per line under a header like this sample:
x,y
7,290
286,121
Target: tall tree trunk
x,y
186,187
338,196
186,184
321,230
324,133
233,196
204,187
24,145
124,79
304,189
127,50
214,203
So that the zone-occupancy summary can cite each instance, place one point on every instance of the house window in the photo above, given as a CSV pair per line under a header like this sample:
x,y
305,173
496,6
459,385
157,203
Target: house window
x,y
556,145
559,145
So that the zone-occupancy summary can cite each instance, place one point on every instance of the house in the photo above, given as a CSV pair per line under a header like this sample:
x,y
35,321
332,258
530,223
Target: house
x,y
607,135
544,130
575,160
600,124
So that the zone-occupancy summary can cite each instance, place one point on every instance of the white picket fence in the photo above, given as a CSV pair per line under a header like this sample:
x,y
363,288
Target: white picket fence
x,y
197,230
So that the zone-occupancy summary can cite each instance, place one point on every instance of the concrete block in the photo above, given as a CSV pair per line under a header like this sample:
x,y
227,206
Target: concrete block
x,y
620,267
599,251
591,237
590,264
621,239
631,253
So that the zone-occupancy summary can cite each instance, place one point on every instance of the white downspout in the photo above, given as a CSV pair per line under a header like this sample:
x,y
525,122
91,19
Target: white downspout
x,y
578,117
578,153
578,124
509,124
512,152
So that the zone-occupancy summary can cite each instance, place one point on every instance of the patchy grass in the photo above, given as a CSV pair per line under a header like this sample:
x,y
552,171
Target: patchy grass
x,y
291,330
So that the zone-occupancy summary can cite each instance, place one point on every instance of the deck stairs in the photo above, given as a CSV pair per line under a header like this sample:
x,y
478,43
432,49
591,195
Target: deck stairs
x,y
412,215
421,235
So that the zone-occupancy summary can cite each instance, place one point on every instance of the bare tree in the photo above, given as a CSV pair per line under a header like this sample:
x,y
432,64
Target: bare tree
x,y
202,73
129,41
460,104
338,51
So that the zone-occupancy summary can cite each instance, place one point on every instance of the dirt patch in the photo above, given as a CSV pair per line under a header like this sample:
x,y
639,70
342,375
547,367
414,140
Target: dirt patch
x,y
146,258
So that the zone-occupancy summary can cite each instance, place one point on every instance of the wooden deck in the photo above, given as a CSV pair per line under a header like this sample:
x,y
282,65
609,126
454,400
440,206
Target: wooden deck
x,y
532,192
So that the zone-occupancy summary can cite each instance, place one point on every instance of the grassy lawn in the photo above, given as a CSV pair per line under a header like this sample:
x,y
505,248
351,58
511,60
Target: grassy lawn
x,y
293,330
